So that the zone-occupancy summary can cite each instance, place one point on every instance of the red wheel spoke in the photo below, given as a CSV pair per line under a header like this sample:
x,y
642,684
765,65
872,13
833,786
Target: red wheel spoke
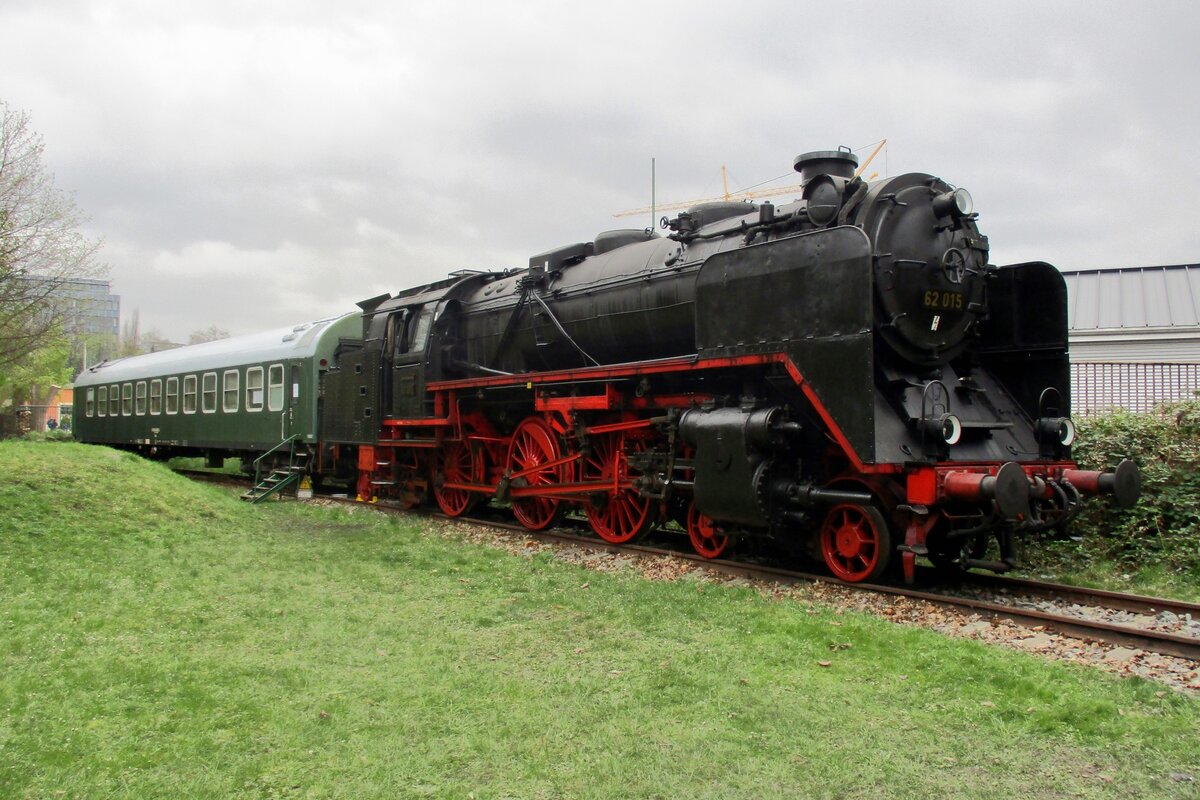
x,y
534,445
619,515
707,540
855,542
458,465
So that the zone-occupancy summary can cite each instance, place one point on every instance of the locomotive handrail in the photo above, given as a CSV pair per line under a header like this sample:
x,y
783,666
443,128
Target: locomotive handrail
x,y
562,330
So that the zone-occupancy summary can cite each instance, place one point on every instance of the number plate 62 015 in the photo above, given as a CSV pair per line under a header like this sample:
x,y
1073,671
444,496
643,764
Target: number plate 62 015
x,y
948,301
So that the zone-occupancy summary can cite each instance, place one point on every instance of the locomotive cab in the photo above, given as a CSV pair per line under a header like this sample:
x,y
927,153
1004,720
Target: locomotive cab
x,y
406,343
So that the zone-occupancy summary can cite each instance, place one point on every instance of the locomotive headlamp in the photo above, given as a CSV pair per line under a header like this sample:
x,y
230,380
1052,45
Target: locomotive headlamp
x,y
951,429
946,428
1056,430
1066,432
956,204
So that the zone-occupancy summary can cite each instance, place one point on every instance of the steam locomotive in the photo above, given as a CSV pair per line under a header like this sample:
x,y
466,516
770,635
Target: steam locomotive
x,y
845,371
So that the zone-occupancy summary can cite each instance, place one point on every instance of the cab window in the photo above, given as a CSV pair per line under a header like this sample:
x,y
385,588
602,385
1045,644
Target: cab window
x,y
410,331
419,331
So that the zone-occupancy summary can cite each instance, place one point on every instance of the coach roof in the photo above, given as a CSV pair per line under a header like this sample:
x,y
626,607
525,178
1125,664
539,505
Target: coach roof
x,y
299,341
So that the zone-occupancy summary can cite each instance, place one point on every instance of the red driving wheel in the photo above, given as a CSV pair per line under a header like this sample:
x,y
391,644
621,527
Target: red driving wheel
x,y
458,465
531,454
622,515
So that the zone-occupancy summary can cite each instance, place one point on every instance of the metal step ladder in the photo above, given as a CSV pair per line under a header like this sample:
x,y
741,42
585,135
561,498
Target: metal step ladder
x,y
382,468
281,477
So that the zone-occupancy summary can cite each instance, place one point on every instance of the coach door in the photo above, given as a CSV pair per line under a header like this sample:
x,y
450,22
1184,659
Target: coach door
x,y
408,334
292,419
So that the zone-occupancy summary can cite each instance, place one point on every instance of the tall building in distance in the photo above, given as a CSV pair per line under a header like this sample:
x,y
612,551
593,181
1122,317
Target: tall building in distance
x,y
91,307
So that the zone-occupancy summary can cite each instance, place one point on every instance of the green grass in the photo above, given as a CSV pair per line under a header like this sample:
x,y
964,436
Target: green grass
x,y
1076,563
158,638
230,466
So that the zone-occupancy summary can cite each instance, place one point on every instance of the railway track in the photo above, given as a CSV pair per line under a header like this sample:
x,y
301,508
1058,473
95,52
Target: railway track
x,y
991,597
1010,608
1079,612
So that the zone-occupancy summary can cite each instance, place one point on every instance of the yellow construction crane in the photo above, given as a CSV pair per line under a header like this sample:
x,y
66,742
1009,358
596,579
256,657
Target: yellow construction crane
x,y
746,195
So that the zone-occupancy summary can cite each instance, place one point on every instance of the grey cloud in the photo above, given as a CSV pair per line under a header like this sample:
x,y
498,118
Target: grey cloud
x,y
255,164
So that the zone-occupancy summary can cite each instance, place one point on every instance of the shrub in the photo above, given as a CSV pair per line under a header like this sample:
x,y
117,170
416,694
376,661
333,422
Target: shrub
x,y
1164,527
48,436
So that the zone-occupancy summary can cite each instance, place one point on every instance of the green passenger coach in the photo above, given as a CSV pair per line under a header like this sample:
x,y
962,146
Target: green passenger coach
x,y
243,394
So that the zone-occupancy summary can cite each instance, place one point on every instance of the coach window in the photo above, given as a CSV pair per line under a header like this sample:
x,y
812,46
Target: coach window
x,y
208,393
156,396
91,403
189,394
140,405
229,397
114,400
295,382
275,388
102,402
126,399
172,395
254,389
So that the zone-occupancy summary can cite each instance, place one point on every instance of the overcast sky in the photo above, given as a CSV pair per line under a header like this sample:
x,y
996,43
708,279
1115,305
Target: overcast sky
x,y
257,163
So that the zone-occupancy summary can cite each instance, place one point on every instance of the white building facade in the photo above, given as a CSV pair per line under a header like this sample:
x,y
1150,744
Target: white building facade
x,y
1134,336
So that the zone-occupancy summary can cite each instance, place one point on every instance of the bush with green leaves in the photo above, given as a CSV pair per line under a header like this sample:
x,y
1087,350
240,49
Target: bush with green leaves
x,y
56,435
1164,527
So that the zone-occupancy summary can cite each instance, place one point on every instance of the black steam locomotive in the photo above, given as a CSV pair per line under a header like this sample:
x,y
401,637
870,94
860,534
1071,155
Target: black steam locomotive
x,y
848,367
846,370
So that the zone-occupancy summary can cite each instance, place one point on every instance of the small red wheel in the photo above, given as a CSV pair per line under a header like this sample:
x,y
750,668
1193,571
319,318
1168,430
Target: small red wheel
x,y
458,465
622,515
707,540
411,485
855,542
532,449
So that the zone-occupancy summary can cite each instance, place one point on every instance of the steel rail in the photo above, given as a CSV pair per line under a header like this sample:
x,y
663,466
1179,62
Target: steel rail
x,y
1137,604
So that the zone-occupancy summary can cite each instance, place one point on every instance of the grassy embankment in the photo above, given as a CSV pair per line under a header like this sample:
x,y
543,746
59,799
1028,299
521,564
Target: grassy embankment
x,y
158,638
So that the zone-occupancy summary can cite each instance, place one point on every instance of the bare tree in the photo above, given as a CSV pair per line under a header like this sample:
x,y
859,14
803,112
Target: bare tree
x,y
41,247
210,334
152,342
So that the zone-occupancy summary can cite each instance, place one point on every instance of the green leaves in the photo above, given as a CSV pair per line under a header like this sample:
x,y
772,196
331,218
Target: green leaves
x,y
1164,528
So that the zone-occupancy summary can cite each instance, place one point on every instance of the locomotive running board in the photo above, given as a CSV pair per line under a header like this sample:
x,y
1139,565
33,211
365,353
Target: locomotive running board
x,y
669,365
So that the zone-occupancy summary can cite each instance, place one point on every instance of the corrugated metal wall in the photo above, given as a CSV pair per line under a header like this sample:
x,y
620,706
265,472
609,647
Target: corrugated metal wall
x,y
1134,336
1134,298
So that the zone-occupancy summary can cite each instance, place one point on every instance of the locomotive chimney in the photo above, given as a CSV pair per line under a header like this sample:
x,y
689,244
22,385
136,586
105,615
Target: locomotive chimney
x,y
839,163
